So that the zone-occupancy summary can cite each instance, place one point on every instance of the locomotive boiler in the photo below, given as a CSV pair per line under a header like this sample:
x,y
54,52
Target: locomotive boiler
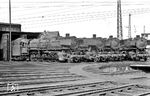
x,y
48,48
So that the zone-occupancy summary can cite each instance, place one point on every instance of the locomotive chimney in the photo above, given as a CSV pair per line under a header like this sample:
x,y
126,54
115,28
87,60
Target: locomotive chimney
x,y
94,35
137,36
110,36
67,35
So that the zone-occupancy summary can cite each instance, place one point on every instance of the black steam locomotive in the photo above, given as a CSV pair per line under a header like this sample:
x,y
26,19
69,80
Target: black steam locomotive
x,y
72,49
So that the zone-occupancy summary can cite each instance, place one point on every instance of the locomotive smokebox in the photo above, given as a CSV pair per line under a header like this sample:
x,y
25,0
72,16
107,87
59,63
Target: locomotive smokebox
x,y
94,35
67,35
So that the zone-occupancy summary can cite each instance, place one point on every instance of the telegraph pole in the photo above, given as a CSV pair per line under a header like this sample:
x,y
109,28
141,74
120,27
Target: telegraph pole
x,y
9,30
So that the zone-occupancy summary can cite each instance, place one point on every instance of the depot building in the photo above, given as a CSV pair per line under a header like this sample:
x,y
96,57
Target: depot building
x,y
15,33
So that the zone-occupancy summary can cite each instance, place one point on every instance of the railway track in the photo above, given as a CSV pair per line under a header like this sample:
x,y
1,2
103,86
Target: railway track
x,y
56,90
35,75
26,77
107,88
125,90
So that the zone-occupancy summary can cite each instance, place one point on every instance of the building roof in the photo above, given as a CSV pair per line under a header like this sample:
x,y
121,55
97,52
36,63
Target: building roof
x,y
15,35
3,23
22,32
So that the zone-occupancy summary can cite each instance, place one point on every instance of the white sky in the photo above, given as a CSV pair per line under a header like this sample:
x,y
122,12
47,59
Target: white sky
x,y
80,18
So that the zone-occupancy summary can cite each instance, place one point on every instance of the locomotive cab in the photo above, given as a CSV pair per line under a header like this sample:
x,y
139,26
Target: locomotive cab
x,y
20,49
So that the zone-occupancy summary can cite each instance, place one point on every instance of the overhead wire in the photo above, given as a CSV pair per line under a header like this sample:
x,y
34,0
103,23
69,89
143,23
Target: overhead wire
x,y
27,19
57,18
79,19
66,2
64,20
62,15
142,10
58,11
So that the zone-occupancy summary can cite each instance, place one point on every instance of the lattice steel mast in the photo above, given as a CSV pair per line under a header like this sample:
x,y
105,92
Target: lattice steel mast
x,y
119,21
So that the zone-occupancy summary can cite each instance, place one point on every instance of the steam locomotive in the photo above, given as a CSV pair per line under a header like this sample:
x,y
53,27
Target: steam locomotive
x,y
72,49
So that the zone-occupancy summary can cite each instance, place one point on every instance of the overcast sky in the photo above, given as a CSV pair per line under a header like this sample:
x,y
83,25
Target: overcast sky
x,y
80,18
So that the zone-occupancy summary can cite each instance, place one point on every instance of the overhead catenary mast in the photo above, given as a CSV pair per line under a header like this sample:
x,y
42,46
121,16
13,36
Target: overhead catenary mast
x,y
144,29
9,30
119,21
144,36
129,27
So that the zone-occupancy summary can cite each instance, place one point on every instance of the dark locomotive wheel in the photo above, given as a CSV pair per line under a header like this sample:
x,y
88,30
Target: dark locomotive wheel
x,y
75,59
145,58
111,59
116,59
33,57
137,58
70,60
96,59
120,58
103,59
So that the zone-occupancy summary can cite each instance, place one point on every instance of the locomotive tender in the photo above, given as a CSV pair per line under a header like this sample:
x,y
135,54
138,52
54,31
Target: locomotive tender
x,y
72,49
